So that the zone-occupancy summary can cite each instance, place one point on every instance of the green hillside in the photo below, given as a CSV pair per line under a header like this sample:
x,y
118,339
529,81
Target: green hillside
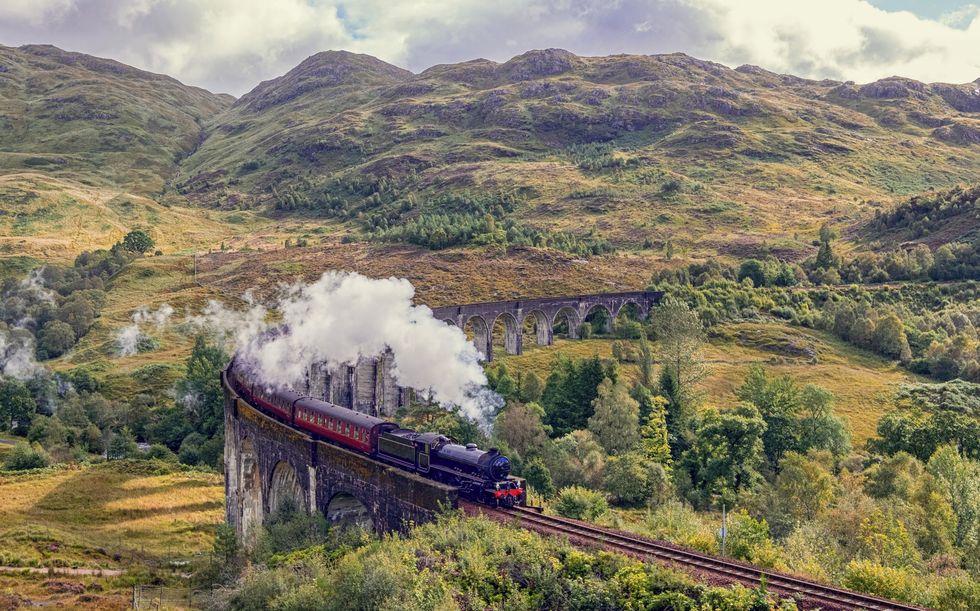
x,y
96,120
636,149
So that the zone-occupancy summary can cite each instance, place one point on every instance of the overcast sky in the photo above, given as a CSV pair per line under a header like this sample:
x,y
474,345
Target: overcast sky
x,y
231,45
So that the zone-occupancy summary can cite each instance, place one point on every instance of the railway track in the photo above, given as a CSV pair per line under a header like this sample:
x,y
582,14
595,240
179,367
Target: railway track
x,y
810,594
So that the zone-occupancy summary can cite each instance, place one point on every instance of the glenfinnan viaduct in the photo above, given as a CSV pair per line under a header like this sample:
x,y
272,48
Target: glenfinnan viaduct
x,y
268,463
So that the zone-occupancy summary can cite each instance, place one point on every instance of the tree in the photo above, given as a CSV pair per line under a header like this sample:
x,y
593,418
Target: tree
x,y
199,392
505,385
681,335
56,338
519,426
626,478
577,459
726,452
677,413
531,388
539,477
805,484
123,445
890,339
78,312
570,390
894,476
92,440
17,406
753,269
778,402
616,418
645,363
825,255
138,241
959,478
653,434
819,428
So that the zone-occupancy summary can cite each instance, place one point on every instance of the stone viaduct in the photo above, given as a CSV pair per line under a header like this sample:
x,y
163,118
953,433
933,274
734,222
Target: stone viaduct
x,y
540,316
268,464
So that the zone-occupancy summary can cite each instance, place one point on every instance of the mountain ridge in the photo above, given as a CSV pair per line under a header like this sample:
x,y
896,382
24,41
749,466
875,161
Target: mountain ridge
x,y
641,149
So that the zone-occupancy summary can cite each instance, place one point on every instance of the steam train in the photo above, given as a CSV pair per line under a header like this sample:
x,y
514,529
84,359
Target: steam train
x,y
482,476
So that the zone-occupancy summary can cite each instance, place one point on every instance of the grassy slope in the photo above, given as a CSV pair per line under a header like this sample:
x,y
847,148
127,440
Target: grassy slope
x,y
860,381
762,159
96,120
102,516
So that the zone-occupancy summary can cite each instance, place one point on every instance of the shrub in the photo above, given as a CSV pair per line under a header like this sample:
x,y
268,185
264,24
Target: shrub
x,y
580,503
137,241
158,451
867,576
25,456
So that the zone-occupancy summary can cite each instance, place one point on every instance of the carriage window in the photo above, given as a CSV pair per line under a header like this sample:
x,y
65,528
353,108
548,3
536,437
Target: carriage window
x,y
346,429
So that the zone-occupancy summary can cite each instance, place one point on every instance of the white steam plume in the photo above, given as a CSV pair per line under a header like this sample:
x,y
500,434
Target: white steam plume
x,y
129,337
344,316
17,354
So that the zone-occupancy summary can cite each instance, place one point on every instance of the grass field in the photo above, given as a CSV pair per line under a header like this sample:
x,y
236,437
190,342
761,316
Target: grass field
x,y
861,382
143,518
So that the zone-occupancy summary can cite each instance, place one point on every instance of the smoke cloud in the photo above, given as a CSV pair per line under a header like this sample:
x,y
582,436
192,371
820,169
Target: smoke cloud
x,y
344,316
130,338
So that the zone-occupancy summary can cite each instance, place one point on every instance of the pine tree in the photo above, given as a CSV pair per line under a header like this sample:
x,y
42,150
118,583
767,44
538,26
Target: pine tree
x,y
825,256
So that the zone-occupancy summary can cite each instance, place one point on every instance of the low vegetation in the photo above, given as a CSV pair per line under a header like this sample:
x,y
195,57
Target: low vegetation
x,y
458,563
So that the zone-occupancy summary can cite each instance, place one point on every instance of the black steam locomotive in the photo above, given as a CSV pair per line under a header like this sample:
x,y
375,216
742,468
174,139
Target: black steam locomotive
x,y
482,476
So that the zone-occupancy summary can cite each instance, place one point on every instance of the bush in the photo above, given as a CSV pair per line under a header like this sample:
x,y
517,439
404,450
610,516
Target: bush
x,y
626,479
867,576
580,503
137,241
25,456
158,451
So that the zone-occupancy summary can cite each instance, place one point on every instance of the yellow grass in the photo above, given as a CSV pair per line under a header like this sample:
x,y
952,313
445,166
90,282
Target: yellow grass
x,y
103,516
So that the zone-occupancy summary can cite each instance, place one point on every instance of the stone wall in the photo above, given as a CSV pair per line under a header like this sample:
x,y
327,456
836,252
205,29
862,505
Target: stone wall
x,y
268,463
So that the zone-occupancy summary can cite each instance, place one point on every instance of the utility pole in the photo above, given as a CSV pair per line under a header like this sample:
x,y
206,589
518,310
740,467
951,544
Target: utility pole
x,y
724,528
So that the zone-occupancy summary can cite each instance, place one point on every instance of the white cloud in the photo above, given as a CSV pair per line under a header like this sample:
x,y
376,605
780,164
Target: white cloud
x,y
230,45
33,12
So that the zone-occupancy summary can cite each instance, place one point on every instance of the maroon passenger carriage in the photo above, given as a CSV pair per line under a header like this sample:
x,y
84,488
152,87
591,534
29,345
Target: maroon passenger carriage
x,y
480,475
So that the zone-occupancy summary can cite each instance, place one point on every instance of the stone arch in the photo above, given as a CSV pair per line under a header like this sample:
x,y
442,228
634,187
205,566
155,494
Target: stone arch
x,y
450,322
633,308
570,316
512,332
480,336
249,476
541,327
345,509
599,327
284,488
